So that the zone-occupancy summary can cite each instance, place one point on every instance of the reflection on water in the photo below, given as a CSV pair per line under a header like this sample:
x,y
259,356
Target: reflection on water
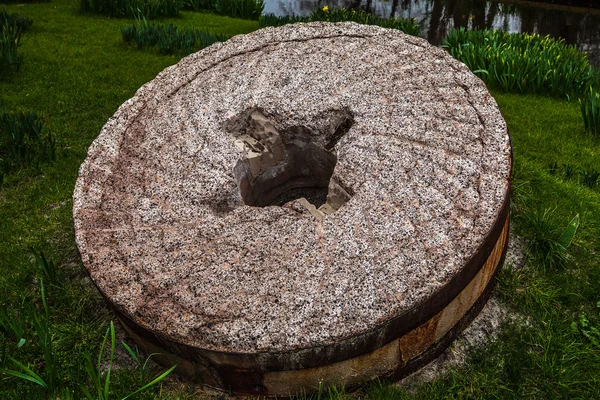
x,y
438,17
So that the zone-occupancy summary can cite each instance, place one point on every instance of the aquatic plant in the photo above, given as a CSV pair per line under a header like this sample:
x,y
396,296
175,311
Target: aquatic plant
x,y
246,9
168,38
408,26
149,9
522,62
590,111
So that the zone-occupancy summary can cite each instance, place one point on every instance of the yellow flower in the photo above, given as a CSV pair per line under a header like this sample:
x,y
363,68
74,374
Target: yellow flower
x,y
325,8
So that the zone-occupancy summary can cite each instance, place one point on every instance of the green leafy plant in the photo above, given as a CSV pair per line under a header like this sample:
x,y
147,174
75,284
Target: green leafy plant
x,y
275,20
23,23
41,323
102,383
13,320
168,38
24,141
522,62
587,329
408,26
548,244
566,237
246,9
48,267
10,39
142,365
590,111
50,380
149,9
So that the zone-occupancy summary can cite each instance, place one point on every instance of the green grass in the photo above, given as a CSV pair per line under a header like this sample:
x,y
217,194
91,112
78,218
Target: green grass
x,y
76,72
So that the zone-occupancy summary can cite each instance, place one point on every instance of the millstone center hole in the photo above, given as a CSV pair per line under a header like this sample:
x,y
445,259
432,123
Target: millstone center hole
x,y
297,162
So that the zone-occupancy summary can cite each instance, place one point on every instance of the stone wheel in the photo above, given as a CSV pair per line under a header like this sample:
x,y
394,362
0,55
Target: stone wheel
x,y
310,203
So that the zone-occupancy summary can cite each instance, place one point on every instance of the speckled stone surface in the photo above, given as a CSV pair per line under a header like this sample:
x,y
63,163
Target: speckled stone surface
x,y
163,231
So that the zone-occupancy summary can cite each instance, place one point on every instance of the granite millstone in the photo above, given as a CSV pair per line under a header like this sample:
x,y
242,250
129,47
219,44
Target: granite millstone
x,y
167,236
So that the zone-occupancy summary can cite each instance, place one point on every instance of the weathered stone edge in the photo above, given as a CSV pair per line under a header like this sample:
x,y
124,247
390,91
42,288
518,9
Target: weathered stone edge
x,y
398,358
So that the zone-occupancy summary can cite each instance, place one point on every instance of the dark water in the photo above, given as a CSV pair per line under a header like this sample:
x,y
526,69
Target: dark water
x,y
580,27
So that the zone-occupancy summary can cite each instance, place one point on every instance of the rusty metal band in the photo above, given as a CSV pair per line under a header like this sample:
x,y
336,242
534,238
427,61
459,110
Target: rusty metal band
x,y
438,347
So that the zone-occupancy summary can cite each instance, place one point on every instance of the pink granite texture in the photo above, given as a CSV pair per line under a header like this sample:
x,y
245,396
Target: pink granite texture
x,y
164,233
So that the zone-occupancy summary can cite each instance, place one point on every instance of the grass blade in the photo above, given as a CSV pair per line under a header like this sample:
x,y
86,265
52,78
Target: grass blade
x,y
566,237
153,382
28,375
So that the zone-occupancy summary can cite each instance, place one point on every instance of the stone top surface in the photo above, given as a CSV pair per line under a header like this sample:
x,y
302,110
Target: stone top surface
x,y
165,234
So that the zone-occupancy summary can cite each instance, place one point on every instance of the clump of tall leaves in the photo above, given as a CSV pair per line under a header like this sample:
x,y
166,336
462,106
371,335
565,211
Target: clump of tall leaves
x,y
548,241
246,9
10,40
149,9
168,38
24,141
522,62
275,20
408,26
24,1
590,111
23,23
100,381
50,377
12,27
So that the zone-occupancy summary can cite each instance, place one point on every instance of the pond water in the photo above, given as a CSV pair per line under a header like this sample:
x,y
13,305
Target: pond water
x,y
437,17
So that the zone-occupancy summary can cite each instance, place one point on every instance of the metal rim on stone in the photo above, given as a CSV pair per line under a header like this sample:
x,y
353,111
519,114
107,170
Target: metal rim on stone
x,y
304,204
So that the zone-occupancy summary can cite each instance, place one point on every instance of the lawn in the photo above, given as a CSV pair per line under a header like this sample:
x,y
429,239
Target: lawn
x,y
77,71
